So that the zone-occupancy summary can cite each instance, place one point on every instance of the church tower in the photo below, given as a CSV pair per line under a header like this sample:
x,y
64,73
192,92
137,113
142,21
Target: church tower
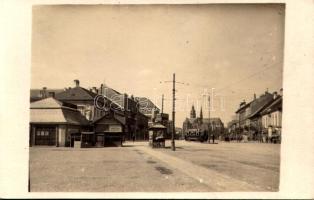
x,y
193,113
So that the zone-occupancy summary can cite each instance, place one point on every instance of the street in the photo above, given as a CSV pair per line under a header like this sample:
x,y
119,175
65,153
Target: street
x,y
135,167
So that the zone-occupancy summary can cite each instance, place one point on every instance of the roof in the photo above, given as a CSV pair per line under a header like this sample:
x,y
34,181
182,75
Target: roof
x,y
116,115
109,92
214,120
273,106
50,110
76,93
36,94
243,107
51,102
157,126
58,116
146,105
191,120
265,106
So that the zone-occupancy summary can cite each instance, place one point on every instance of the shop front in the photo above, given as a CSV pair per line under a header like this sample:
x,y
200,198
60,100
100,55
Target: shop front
x,y
108,132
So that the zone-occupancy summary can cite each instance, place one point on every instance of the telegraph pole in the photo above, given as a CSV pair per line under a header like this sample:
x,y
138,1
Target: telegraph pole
x,y
173,147
210,127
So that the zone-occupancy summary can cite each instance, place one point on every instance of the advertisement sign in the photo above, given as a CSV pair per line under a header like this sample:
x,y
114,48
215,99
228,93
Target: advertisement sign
x,y
115,128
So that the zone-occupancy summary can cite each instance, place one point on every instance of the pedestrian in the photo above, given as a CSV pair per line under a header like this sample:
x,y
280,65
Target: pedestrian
x,y
213,139
133,138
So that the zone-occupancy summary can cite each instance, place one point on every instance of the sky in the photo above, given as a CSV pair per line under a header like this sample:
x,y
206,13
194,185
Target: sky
x,y
228,52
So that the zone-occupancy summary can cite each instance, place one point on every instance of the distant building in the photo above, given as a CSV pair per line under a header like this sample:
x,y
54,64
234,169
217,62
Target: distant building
x,y
250,121
38,94
232,125
271,117
212,126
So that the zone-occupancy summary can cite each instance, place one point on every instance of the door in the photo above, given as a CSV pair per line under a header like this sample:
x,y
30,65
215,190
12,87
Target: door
x,y
45,136
100,141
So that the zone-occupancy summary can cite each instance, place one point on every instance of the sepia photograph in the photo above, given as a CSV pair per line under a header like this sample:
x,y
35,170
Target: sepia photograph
x,y
156,98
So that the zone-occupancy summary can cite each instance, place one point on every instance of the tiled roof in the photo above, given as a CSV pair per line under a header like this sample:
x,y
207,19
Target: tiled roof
x,y
243,107
146,105
110,93
76,93
275,105
266,106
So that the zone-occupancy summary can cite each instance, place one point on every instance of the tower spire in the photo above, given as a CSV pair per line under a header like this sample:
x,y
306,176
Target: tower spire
x,y
193,113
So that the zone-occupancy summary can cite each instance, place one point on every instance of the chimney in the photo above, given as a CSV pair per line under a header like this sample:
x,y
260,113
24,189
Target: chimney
x,y
254,96
44,92
51,94
281,92
275,95
77,83
95,90
266,91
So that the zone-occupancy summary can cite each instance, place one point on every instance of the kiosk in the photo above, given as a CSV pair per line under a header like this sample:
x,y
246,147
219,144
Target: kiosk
x,y
157,136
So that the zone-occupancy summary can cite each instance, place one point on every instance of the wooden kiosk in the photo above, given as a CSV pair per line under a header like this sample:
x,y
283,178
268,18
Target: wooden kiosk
x,y
157,136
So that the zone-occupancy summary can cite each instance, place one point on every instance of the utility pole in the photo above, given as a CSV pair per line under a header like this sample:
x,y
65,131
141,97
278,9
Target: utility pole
x,y
173,147
209,125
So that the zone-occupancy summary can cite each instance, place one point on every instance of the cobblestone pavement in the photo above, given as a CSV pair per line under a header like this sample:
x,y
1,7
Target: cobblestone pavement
x,y
193,167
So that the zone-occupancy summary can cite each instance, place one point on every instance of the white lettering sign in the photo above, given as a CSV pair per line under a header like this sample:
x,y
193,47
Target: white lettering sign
x,y
115,128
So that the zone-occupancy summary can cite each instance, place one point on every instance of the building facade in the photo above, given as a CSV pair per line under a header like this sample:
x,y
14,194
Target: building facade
x,y
52,122
252,120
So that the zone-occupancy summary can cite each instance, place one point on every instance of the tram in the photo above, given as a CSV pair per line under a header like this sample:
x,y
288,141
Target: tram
x,y
196,135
